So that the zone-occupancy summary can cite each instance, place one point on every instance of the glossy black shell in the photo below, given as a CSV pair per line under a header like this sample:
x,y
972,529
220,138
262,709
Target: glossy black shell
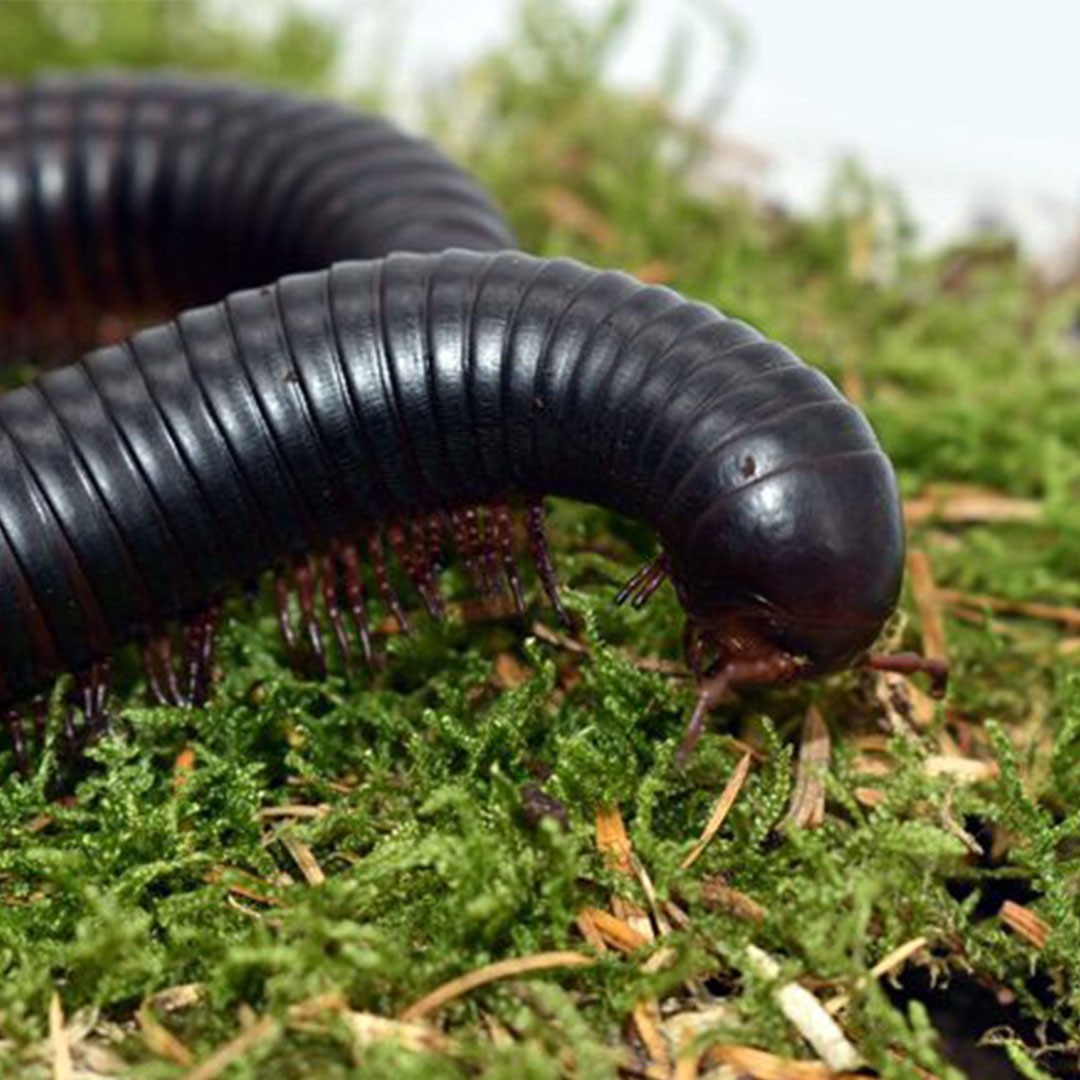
x,y
142,481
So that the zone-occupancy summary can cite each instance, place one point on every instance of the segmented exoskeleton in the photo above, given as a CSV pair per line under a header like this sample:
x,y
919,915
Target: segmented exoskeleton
x,y
355,410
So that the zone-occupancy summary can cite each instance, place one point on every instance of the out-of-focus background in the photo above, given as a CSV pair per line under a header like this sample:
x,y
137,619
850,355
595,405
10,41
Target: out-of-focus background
x,y
969,106
966,107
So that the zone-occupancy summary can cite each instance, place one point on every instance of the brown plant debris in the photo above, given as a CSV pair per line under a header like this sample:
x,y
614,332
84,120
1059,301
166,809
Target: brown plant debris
x,y
502,969
892,962
1067,616
961,504
807,809
303,856
718,895
58,1038
759,1065
720,811
1026,923
928,602
613,931
262,1031
160,1041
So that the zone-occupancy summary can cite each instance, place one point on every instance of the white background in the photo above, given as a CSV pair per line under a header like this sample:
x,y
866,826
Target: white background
x,y
971,106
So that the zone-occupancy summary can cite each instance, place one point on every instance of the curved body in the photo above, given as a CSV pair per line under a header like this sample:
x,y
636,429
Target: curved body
x,y
142,195
143,481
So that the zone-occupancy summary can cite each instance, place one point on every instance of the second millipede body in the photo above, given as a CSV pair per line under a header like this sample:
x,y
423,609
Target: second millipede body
x,y
411,374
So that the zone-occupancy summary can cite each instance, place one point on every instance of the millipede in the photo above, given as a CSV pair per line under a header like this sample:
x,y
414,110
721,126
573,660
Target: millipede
x,y
358,368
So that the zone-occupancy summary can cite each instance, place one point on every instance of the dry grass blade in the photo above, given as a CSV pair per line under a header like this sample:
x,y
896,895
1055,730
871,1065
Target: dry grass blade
x,y
588,930
807,809
502,969
174,998
612,839
894,960
561,641
686,1068
1067,616
657,664
295,811
159,1040
758,1065
964,769
613,843
969,506
303,856
366,1028
928,602
613,931
718,895
264,1030
1026,923
646,1017
58,1040
720,811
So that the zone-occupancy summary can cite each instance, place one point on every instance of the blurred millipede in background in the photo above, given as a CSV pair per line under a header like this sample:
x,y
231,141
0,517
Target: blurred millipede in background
x,y
407,381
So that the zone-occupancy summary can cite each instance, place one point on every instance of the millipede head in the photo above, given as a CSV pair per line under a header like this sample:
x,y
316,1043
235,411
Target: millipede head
x,y
808,558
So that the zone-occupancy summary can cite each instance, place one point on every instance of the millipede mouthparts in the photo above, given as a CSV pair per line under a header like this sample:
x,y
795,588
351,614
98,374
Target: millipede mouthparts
x,y
408,381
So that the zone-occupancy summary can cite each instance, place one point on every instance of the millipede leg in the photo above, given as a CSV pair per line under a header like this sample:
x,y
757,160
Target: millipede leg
x,y
644,582
329,579
91,690
41,721
305,592
354,597
487,542
199,643
14,722
383,584
502,526
427,542
466,541
413,557
433,523
281,596
69,731
534,523
161,646
95,694
153,678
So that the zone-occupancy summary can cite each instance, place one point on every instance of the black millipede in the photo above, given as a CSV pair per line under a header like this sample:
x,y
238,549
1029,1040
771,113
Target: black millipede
x,y
408,377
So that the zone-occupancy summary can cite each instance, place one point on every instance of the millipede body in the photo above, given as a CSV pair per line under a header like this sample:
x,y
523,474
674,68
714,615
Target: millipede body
x,y
373,369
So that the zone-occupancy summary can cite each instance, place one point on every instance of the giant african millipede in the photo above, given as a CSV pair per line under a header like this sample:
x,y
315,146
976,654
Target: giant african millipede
x,y
414,378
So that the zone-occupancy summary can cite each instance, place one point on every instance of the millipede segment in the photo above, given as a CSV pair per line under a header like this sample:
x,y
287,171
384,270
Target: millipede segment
x,y
387,381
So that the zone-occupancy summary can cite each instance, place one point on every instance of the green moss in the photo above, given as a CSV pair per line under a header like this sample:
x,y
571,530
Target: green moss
x,y
152,875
